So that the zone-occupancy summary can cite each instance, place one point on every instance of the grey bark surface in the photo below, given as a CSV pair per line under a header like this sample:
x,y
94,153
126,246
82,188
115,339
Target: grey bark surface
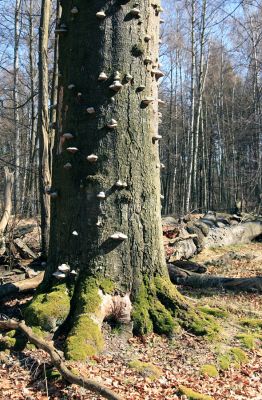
x,y
127,152
8,187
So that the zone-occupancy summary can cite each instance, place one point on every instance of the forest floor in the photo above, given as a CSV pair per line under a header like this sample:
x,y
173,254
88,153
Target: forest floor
x,y
154,367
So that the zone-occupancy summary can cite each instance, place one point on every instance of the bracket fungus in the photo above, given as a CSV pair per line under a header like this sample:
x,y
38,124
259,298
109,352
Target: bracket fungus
x,y
120,184
73,272
71,86
118,236
112,124
147,60
64,268
68,135
162,21
135,12
156,137
74,10
101,14
140,88
72,150
68,165
101,195
92,158
90,110
161,102
59,275
75,233
102,76
148,100
158,74
128,77
147,38
116,86
53,194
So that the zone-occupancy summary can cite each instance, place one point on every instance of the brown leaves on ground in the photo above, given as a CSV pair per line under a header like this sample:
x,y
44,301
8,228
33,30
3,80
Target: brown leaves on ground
x,y
180,358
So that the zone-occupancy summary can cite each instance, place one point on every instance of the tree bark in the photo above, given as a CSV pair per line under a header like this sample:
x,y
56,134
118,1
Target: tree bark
x,y
9,181
43,125
119,276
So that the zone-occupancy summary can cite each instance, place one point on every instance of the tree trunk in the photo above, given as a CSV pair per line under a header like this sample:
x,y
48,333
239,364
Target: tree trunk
x,y
43,125
106,222
9,181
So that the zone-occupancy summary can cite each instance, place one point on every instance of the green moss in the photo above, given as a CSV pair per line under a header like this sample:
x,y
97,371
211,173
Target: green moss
x,y
163,322
12,340
239,355
251,323
53,374
216,312
106,285
187,317
233,357
140,313
192,395
84,340
146,369
49,310
247,340
224,362
209,370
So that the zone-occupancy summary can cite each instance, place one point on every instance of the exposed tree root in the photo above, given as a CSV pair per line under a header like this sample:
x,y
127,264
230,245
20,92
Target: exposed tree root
x,y
57,360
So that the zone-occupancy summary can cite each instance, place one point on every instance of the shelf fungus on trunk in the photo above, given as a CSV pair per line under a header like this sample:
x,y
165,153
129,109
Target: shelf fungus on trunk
x,y
92,158
74,10
116,86
102,76
101,195
68,135
59,275
72,150
112,124
120,184
90,110
64,268
118,236
101,14
68,165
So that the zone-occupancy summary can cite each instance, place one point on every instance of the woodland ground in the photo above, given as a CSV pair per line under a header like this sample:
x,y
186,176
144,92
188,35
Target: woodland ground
x,y
172,362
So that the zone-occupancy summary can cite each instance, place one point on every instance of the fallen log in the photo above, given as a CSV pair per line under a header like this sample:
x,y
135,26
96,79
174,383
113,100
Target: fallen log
x,y
190,266
57,360
22,286
178,276
23,249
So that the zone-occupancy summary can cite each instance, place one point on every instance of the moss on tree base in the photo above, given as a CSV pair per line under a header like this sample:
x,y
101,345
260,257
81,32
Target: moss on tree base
x,y
157,307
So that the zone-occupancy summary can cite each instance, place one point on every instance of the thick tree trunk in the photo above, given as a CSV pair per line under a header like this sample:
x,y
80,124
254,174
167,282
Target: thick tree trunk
x,y
106,222
9,182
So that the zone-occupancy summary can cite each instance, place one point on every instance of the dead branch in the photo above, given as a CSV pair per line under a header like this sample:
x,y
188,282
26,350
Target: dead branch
x,y
22,286
179,276
57,360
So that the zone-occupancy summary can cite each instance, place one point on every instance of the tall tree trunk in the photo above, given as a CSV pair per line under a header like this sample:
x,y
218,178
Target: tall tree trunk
x,y
43,126
106,223
17,149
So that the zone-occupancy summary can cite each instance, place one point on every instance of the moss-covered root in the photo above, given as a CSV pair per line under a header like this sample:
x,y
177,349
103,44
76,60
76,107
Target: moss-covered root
x,y
85,339
159,307
192,395
49,310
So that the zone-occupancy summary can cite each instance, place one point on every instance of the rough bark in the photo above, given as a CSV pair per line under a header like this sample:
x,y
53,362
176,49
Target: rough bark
x,y
57,360
43,125
124,280
9,181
